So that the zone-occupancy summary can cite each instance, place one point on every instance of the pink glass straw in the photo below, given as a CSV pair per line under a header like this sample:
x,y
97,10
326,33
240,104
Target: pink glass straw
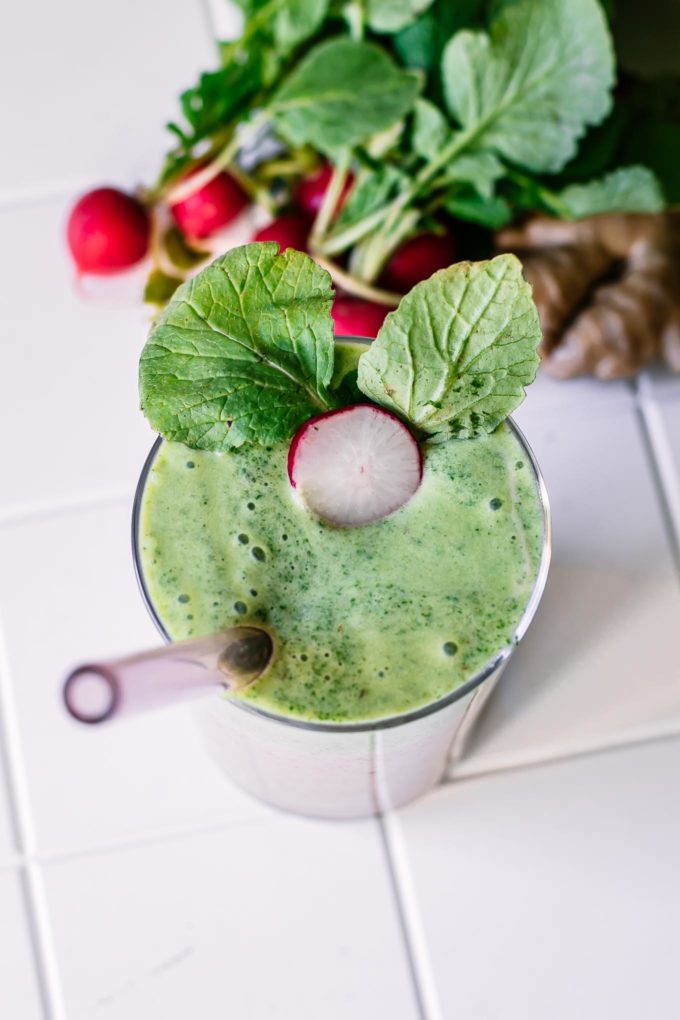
x,y
98,691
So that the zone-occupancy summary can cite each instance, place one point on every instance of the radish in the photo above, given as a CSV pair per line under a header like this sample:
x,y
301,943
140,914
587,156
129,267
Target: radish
x,y
107,231
311,190
355,465
291,231
355,317
211,207
418,258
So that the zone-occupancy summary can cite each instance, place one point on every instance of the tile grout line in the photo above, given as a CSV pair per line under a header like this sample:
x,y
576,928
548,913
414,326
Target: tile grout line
x,y
422,977
191,829
32,881
37,194
631,744
148,839
664,473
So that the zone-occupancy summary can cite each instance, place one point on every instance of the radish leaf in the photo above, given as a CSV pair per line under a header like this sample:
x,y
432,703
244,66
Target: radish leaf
x,y
393,15
296,20
456,354
529,89
628,189
340,94
491,211
243,352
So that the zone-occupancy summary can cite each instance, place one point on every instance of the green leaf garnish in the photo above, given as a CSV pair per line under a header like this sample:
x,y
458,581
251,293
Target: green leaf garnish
x,y
481,169
345,371
180,253
209,104
455,356
420,44
628,189
243,352
297,20
393,15
488,211
341,93
160,287
530,88
657,144
431,129
371,190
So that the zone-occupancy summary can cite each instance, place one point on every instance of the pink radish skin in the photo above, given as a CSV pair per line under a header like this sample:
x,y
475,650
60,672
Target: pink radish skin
x,y
291,231
354,466
210,208
356,317
418,258
107,231
310,191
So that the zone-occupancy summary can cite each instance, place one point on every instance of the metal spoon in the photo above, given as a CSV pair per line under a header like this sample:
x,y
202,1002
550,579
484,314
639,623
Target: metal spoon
x,y
233,659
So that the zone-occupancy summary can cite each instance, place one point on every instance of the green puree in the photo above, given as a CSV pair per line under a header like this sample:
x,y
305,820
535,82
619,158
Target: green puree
x,y
372,621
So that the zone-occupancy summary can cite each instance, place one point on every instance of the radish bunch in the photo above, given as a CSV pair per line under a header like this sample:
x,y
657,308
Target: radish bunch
x,y
109,231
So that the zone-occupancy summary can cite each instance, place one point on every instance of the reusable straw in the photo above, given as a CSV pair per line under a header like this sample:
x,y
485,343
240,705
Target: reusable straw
x,y
233,659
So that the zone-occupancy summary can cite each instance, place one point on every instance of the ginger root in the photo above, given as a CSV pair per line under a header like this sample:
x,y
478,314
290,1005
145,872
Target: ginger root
x,y
607,290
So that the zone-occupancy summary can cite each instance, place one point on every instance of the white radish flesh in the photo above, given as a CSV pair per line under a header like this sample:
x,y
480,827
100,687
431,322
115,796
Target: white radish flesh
x,y
356,465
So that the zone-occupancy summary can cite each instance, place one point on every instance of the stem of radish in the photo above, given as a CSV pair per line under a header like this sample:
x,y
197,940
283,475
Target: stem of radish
x,y
189,185
386,219
331,197
355,287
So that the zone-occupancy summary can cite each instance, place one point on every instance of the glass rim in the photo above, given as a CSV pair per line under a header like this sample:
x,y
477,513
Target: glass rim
x,y
386,722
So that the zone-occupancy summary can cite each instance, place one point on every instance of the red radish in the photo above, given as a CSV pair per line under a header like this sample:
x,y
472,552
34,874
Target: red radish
x,y
210,208
418,258
107,231
291,231
311,190
355,465
355,317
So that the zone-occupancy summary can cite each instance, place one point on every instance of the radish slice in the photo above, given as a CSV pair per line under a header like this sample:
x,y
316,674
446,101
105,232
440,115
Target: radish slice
x,y
355,465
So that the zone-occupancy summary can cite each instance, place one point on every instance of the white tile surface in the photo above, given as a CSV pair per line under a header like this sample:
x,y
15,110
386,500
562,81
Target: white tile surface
x,y
552,892
547,396
272,919
599,664
226,18
67,593
91,88
19,996
68,388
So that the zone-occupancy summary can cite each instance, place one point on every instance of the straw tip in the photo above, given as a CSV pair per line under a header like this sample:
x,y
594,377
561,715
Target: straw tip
x,y
90,694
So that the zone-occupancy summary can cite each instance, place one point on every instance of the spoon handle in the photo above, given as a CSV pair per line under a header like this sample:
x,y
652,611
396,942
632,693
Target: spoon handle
x,y
233,659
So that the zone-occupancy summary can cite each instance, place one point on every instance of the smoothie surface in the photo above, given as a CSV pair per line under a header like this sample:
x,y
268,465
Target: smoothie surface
x,y
371,621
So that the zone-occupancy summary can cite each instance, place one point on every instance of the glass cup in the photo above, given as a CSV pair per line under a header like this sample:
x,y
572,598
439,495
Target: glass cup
x,y
347,770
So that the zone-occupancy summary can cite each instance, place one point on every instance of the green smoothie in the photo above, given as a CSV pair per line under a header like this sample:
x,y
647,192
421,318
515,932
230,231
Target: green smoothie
x,y
371,621
385,589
